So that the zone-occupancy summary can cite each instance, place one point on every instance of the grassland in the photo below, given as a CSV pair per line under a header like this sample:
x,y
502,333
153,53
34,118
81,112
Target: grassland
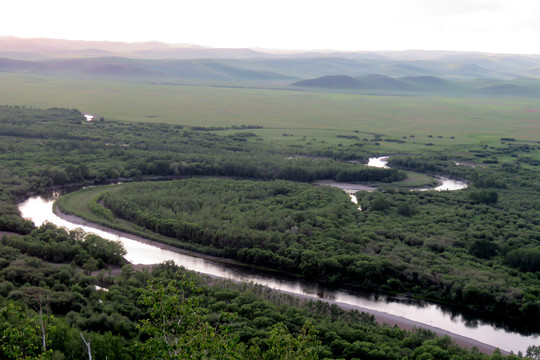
x,y
78,203
314,114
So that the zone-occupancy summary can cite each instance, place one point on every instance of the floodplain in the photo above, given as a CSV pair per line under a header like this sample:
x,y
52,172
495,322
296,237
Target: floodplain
x,y
241,158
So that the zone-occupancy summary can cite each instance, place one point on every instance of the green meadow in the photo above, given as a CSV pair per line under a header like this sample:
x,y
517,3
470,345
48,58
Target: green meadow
x,y
314,114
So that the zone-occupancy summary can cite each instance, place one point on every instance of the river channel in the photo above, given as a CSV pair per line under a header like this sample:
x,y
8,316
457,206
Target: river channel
x,y
445,184
403,312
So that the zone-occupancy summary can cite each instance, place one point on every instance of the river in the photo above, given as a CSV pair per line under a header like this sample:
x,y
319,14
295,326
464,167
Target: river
x,y
445,184
403,312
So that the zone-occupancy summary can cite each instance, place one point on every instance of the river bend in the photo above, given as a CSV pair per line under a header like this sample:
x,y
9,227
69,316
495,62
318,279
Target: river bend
x,y
387,309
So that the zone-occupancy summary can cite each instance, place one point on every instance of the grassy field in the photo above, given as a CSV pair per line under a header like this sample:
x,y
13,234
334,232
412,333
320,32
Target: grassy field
x,y
77,203
292,117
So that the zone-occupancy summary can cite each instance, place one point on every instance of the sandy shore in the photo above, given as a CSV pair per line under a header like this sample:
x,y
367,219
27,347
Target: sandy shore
x,y
80,221
347,187
381,317
403,323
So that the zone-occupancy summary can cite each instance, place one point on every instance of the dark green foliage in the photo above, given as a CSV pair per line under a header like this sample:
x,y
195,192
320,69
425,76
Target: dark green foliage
x,y
434,164
44,148
176,326
483,248
484,197
525,258
406,210
489,182
172,314
379,204
450,247
272,224
60,246
317,232
126,150
447,234
20,336
533,352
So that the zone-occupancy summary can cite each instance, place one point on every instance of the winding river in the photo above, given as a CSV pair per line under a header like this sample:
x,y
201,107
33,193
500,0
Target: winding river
x,y
405,313
445,184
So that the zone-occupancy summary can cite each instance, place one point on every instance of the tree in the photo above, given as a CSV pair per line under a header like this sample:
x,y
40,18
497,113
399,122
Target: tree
x,y
177,328
126,272
484,197
379,204
282,345
483,248
533,352
406,210
88,347
20,335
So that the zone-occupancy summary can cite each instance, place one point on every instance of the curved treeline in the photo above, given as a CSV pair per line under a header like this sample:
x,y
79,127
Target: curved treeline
x,y
132,315
268,168
106,150
40,149
60,246
438,245
269,223
437,164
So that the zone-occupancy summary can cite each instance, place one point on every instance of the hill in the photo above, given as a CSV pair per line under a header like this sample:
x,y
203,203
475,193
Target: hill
x,y
158,70
517,87
427,82
334,82
295,64
383,82
510,89
377,82
371,82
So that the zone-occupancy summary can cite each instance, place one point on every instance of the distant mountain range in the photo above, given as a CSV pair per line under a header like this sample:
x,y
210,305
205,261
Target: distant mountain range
x,y
503,74
516,87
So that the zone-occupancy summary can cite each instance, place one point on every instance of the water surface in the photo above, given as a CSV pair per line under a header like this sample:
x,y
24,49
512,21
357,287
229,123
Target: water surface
x,y
39,210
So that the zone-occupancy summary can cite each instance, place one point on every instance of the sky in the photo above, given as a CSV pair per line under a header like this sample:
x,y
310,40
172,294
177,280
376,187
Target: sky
x,y
495,26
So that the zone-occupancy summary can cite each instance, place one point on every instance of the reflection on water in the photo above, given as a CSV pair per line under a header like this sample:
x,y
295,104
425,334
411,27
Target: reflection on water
x,y
349,188
450,185
380,162
39,210
445,183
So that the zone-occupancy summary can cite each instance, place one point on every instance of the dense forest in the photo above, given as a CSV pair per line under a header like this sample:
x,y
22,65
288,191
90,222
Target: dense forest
x,y
57,147
454,247
51,312
63,293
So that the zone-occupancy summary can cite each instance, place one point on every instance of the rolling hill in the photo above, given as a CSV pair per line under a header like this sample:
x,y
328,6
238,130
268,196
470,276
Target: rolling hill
x,y
518,87
333,82
401,71
428,82
158,70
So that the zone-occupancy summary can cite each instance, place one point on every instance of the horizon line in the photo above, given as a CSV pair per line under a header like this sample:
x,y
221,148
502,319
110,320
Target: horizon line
x,y
270,50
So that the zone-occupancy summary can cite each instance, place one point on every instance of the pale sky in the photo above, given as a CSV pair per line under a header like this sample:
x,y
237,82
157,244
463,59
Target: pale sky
x,y
500,26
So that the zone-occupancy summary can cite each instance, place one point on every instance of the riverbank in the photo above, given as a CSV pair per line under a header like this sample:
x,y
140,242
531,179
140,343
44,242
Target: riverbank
x,y
80,221
380,316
